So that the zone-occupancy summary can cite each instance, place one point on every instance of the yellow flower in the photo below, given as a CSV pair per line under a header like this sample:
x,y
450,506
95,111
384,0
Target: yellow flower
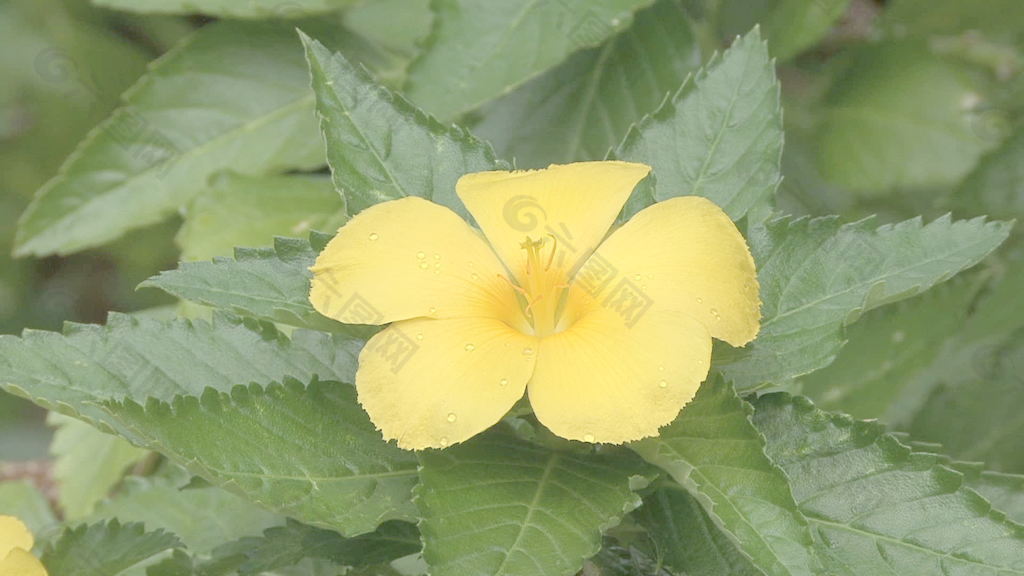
x,y
15,543
609,336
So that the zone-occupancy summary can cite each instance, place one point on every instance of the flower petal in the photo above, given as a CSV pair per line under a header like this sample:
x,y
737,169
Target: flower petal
x,y
683,254
432,383
404,259
14,534
613,377
576,203
20,562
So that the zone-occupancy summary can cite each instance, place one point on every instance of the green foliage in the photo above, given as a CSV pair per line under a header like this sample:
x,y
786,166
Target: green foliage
x,y
104,549
22,500
230,8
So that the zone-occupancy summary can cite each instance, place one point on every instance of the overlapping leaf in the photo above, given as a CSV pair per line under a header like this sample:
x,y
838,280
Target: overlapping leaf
x,y
104,549
229,8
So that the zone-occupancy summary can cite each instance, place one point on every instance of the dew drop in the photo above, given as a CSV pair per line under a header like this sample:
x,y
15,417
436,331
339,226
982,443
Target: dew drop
x,y
663,384
474,276
423,265
433,310
470,347
700,300
437,256
661,368
637,277
452,417
503,382
588,437
443,441
419,335
421,255
374,236
714,312
527,351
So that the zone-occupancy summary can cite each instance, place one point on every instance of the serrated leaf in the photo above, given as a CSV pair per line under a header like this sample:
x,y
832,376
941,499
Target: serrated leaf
x,y
139,358
875,506
687,539
309,453
899,117
584,107
1004,491
266,283
479,50
250,211
720,137
104,549
713,450
379,146
152,155
202,517
804,309
229,8
287,545
87,464
496,505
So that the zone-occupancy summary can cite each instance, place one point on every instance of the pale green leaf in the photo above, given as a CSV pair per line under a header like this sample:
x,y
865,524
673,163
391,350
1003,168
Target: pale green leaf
x,y
686,537
875,506
817,276
792,26
250,211
584,107
24,501
379,146
996,186
139,358
309,453
104,549
500,506
1000,18
480,49
229,8
898,116
720,137
715,453
88,463
1004,491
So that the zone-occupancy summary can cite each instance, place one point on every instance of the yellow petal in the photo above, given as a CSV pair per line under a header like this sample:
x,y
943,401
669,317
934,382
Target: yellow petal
x,y
685,255
614,377
432,383
21,563
14,534
576,203
404,259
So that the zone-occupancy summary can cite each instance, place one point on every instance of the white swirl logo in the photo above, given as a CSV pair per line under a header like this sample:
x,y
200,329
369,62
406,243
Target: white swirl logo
x,y
52,65
523,213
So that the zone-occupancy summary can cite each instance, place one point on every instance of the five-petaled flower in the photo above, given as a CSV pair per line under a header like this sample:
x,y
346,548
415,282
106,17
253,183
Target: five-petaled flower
x,y
609,334
15,544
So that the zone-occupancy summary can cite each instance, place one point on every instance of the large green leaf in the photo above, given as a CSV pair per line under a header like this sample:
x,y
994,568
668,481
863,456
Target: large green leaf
x,y
715,453
309,453
87,464
267,283
1004,491
250,211
898,116
817,276
104,549
500,506
229,8
481,49
181,122
379,146
686,537
584,107
875,506
140,358
720,138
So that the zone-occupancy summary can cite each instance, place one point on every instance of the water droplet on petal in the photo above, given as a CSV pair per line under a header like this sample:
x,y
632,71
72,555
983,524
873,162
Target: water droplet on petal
x,y
637,277
527,351
588,437
443,441
374,236
421,255
700,300
419,335
714,312
503,382
437,256
661,368
663,384
470,347
474,276
423,265
452,417
433,310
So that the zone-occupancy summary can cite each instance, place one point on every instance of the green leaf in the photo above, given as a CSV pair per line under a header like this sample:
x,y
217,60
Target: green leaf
x,y
1004,491
24,501
875,506
715,453
499,506
203,517
480,50
250,211
266,283
379,146
309,453
615,560
996,186
140,358
793,26
288,545
898,116
803,315
687,538
228,8
183,121
583,108
396,27
104,549
720,137
87,464
1001,18
888,348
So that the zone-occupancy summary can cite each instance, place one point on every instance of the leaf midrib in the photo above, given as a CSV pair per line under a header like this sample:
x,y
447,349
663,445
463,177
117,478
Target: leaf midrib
x,y
534,504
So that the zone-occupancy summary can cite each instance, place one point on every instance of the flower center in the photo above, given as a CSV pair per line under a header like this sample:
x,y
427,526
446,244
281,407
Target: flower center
x,y
543,287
